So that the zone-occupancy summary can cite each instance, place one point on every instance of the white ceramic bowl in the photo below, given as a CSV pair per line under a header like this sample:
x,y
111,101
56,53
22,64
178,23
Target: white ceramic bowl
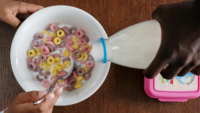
x,y
38,22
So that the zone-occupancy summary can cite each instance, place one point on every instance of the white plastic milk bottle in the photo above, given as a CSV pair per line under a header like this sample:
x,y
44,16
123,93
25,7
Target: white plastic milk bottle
x,y
134,46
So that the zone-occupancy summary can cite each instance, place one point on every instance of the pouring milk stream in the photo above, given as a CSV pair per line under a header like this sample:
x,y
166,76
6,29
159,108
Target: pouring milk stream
x,y
134,46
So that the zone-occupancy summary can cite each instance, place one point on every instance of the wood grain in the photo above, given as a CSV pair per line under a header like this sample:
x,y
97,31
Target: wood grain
x,y
123,89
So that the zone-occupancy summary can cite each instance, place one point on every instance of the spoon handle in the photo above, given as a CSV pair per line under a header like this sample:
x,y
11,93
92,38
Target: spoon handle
x,y
49,90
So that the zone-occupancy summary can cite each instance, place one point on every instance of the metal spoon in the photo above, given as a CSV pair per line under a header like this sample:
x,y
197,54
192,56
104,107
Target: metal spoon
x,y
53,84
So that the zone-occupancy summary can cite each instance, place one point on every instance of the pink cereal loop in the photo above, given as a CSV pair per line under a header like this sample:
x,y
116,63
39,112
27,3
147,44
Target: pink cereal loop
x,y
62,73
68,38
50,43
53,27
79,33
88,50
30,59
46,83
38,60
69,48
50,38
89,63
44,49
66,81
70,43
74,74
82,41
73,58
48,55
52,78
85,47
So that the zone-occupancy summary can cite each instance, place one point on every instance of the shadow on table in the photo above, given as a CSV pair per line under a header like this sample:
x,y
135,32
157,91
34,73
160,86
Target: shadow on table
x,y
9,87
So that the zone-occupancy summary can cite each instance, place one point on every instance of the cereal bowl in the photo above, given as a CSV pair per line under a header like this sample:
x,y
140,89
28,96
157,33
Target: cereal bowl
x,y
38,22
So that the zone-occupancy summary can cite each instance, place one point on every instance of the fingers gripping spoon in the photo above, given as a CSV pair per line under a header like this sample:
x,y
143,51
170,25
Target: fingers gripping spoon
x,y
53,84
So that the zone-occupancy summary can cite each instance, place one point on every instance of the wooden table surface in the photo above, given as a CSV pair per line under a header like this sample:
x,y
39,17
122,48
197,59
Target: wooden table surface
x,y
123,89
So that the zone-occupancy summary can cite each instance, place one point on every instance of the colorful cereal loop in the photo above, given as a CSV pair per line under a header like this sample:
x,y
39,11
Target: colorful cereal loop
x,y
50,60
60,33
53,27
79,78
85,56
44,49
57,59
54,71
75,46
57,41
45,32
79,33
90,46
60,81
85,68
53,35
46,67
81,58
37,50
75,39
31,53
67,64
77,85
59,66
66,53
45,40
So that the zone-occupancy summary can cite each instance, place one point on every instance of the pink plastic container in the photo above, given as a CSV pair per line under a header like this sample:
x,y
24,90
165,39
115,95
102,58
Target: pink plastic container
x,y
178,89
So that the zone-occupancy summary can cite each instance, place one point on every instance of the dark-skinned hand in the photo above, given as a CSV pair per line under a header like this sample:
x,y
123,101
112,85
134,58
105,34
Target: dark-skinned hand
x,y
179,52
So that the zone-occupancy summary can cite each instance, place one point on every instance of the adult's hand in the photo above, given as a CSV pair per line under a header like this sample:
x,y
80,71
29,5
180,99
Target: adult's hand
x,y
179,51
24,102
10,9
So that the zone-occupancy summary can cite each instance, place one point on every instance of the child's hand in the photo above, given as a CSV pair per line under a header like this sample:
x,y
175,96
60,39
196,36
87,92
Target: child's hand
x,y
24,102
10,9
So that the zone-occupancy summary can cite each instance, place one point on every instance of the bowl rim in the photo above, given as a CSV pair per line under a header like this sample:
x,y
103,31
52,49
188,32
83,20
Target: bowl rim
x,y
13,58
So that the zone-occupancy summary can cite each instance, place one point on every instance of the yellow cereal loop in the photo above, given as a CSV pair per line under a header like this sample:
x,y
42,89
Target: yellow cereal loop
x,y
45,32
66,53
75,39
41,63
54,71
57,59
57,41
60,81
77,85
85,56
90,46
53,35
85,68
67,64
37,50
59,66
31,53
75,46
79,78
60,33
81,58
38,54
46,67
50,60
45,40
